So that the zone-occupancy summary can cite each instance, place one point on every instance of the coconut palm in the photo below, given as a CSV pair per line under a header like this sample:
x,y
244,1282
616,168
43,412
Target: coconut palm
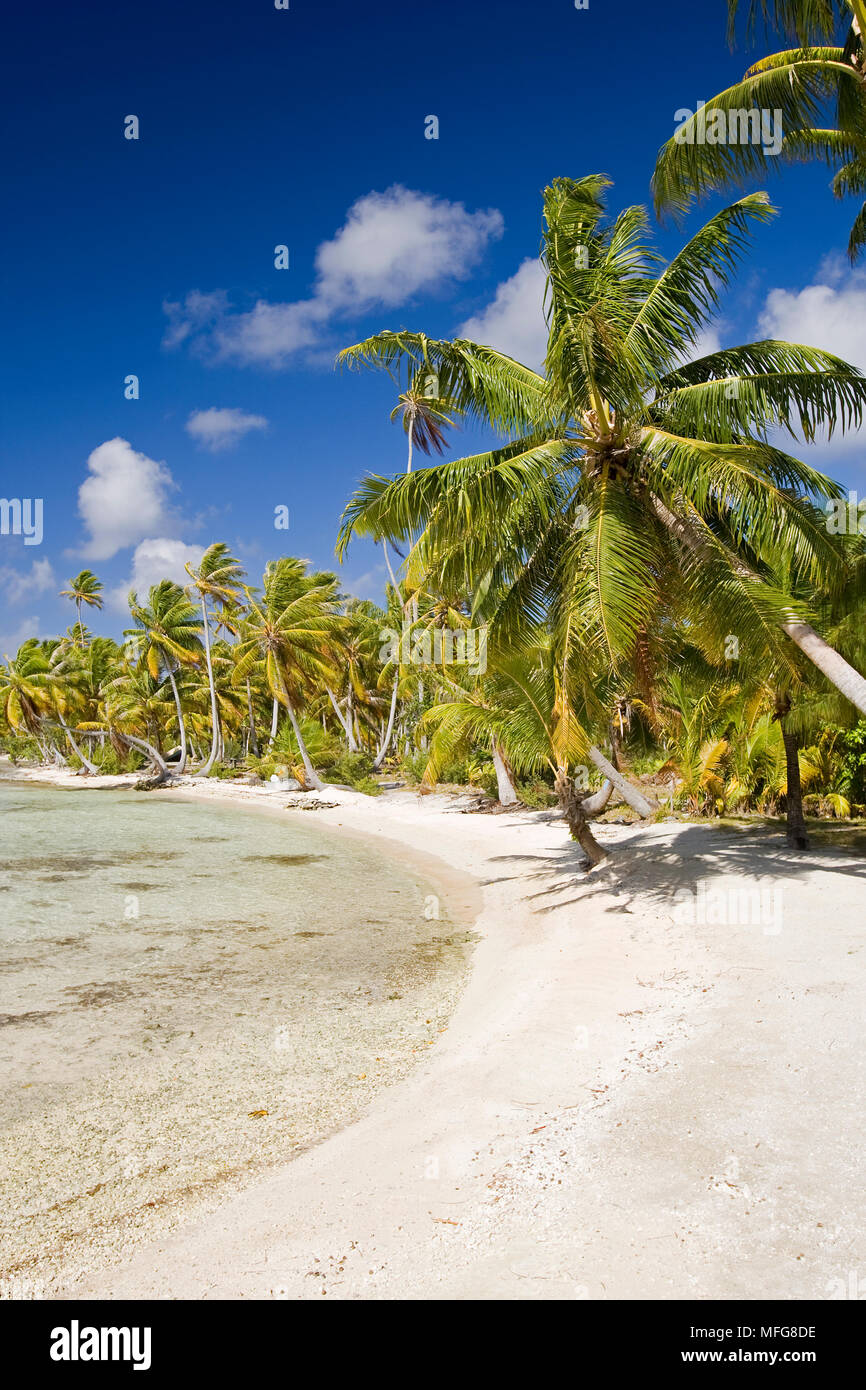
x,y
628,470
800,83
84,588
218,580
291,628
25,688
166,637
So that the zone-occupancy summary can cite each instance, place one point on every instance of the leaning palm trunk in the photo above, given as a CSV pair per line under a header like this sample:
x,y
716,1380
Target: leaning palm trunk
x,y
181,767
214,710
344,723
505,788
386,741
837,670
595,804
275,715
253,743
573,813
636,799
118,739
311,776
79,753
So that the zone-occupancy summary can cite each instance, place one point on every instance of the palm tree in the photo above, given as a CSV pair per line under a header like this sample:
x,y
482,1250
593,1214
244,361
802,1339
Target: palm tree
x,y
84,588
521,710
217,580
167,631
25,689
291,628
798,83
629,471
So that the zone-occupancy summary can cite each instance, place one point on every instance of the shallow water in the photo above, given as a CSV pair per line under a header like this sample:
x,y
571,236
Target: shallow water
x,y
168,970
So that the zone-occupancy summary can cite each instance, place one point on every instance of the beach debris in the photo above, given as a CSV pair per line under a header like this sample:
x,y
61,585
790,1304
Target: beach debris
x,y
311,805
257,1114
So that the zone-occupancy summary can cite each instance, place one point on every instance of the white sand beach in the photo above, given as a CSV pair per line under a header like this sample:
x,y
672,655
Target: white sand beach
x,y
633,1099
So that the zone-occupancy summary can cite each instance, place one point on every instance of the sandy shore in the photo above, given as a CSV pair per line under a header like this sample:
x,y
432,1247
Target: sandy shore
x,y
651,1087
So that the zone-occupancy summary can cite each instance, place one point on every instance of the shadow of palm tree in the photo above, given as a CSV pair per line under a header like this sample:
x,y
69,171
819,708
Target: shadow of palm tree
x,y
656,863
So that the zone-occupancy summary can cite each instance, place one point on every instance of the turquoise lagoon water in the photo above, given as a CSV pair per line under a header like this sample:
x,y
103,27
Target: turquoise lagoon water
x,y
170,970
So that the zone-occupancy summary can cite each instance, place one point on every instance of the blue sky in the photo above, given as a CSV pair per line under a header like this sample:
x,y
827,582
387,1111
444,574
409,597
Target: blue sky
x,y
262,127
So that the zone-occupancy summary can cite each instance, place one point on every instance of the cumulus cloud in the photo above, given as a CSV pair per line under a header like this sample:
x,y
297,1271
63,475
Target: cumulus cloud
x,y
829,314
221,429
393,246
514,321
153,560
124,499
20,584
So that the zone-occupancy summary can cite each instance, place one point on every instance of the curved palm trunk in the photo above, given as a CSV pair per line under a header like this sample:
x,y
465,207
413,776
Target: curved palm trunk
x,y
140,743
181,767
214,710
505,788
796,823
575,817
254,743
595,804
311,776
85,761
275,715
344,723
846,679
386,741
635,798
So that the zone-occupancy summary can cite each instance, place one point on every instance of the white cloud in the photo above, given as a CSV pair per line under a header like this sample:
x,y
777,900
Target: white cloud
x,y
824,315
514,321
397,243
11,641
828,314
153,560
220,429
124,499
392,246
20,584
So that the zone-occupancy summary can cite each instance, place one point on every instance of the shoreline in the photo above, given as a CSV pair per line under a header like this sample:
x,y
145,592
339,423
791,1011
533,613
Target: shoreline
x,y
41,1250
624,1104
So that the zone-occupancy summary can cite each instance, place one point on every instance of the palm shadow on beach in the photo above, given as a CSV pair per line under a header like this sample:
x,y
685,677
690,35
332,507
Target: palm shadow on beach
x,y
652,867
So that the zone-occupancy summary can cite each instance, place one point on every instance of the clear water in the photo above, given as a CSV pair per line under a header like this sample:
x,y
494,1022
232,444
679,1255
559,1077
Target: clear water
x,y
168,970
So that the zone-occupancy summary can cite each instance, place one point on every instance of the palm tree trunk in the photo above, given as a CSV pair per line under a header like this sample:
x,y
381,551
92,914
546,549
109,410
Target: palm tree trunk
x,y
837,670
796,824
595,804
91,768
636,799
181,767
829,662
388,563
253,743
311,776
505,788
344,723
575,817
214,711
380,756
